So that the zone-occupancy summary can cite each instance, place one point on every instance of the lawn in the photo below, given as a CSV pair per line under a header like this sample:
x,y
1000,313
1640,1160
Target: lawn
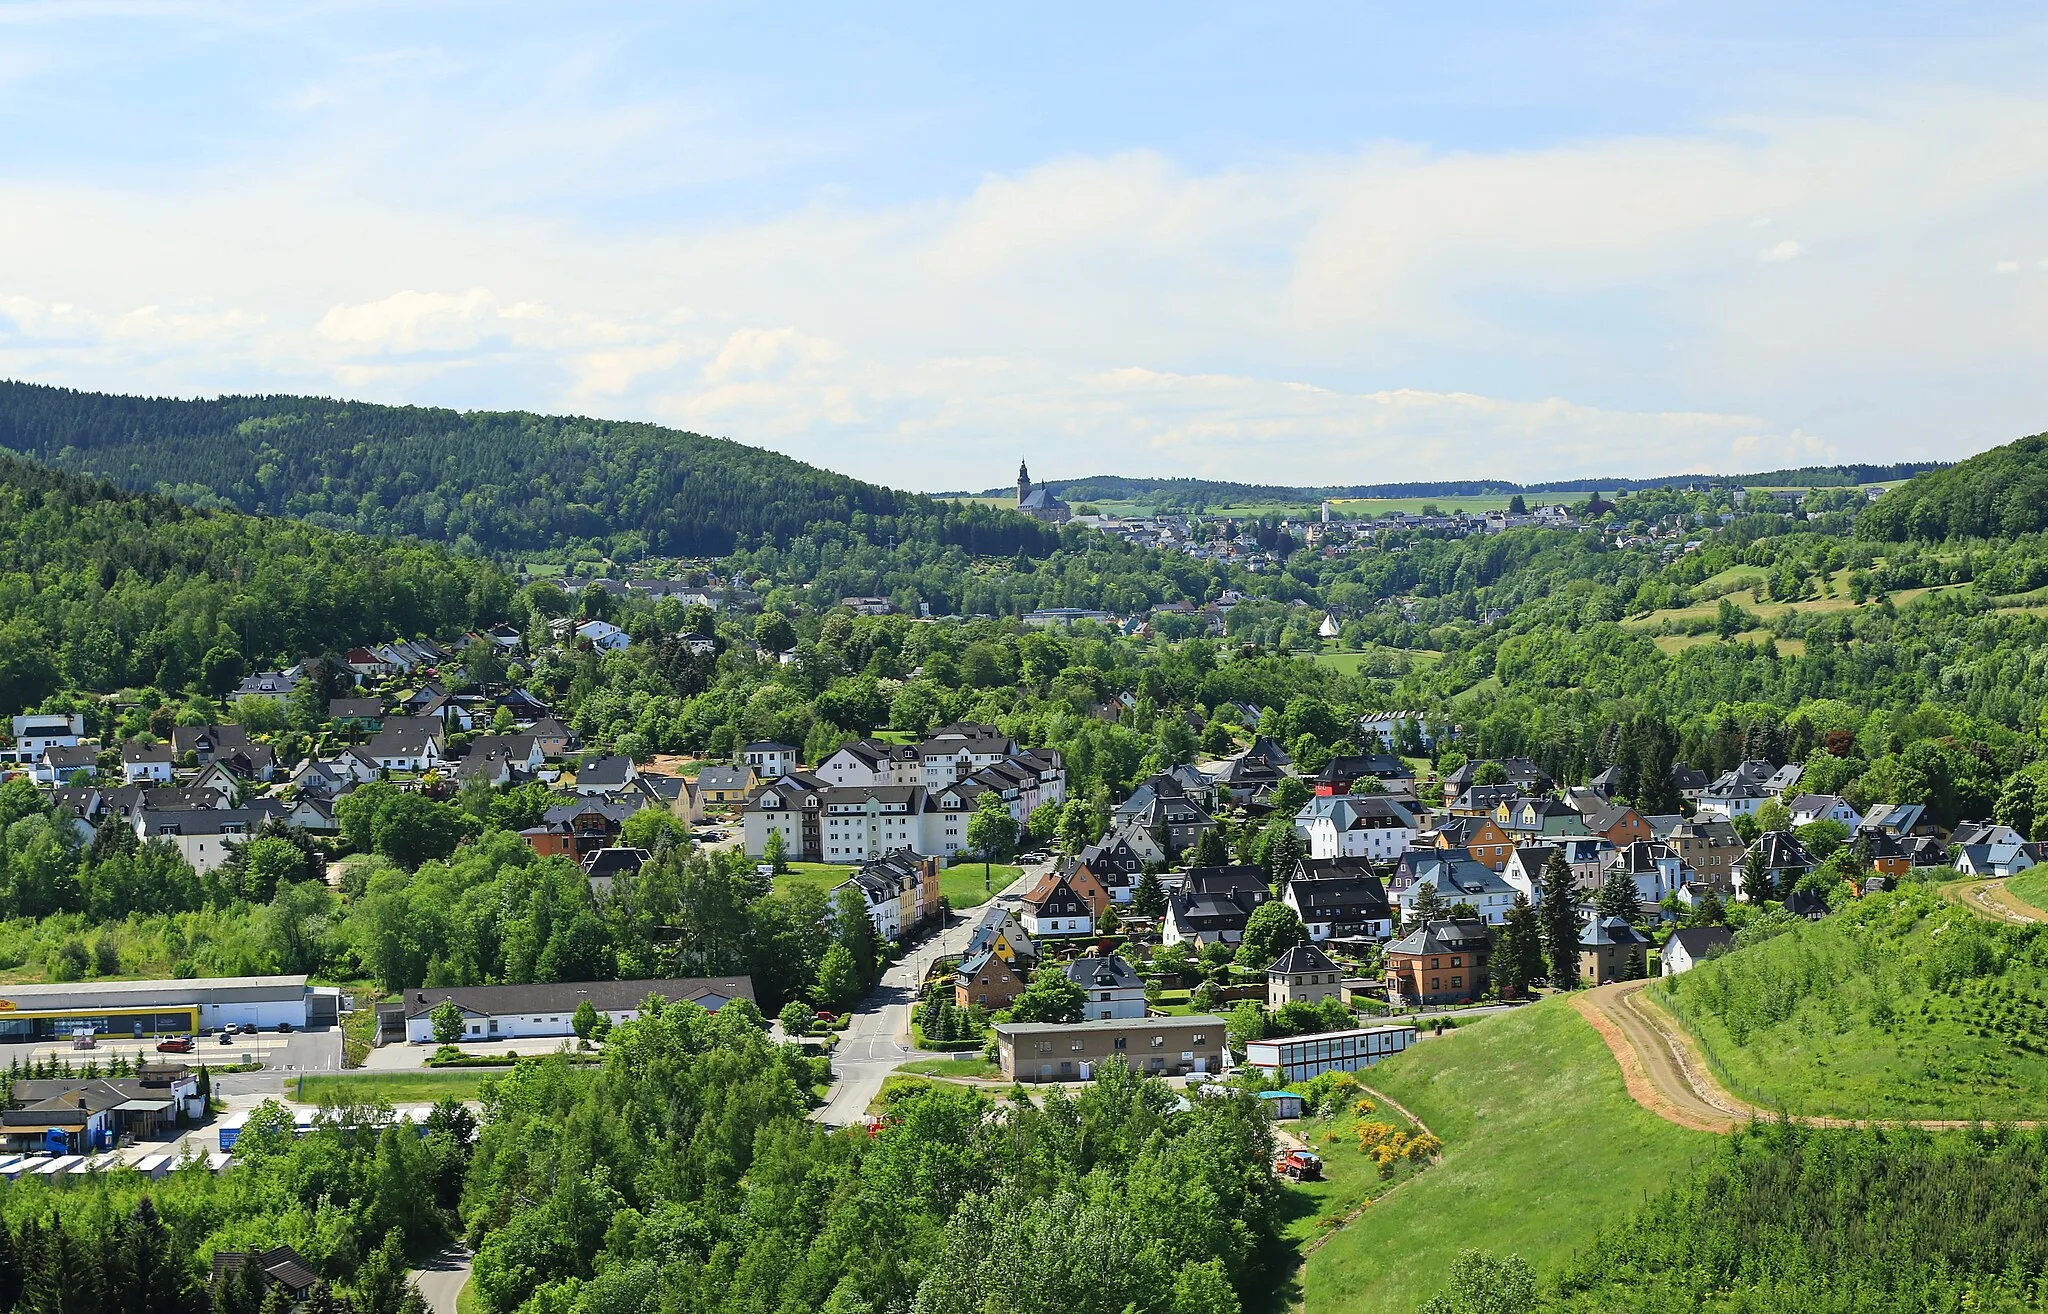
x,y
963,888
1542,1147
954,1067
2030,887
423,1087
1350,663
819,875
1895,1007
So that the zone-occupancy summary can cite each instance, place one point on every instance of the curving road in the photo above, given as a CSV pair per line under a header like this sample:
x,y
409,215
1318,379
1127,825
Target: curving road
x,y
877,1040
442,1279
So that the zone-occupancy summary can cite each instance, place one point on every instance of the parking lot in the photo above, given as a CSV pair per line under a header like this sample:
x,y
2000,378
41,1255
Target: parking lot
x,y
296,1051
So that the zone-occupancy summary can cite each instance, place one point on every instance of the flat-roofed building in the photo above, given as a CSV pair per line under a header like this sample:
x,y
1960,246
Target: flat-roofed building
x,y
1297,1058
162,1008
1155,1046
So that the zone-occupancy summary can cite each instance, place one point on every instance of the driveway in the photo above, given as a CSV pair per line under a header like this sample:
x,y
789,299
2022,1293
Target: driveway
x,y
877,1040
442,1278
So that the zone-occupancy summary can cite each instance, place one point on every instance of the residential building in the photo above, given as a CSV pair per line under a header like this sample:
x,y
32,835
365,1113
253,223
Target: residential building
x,y
276,686
725,784
59,765
1293,1059
872,762
145,763
1304,974
1524,775
1114,989
357,713
40,730
604,775
1710,848
989,981
1339,899
1456,880
1745,788
1809,808
206,837
1439,962
284,1270
900,890
1688,948
1156,1046
603,636
1899,820
1618,824
1368,826
1655,869
1783,857
1162,807
1611,950
1058,912
1212,905
603,867
1340,773
409,745
769,760
1528,819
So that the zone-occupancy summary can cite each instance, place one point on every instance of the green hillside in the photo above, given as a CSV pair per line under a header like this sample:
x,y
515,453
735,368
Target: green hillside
x,y
1542,1145
101,589
1897,1006
1999,493
501,481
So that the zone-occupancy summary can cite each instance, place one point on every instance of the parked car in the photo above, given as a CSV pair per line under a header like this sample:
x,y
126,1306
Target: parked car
x,y
247,1028
284,1028
175,1045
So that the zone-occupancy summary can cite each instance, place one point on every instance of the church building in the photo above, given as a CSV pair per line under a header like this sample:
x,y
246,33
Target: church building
x,y
1039,503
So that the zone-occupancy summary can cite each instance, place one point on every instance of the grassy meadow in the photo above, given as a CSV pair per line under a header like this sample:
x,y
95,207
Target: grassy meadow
x,y
1900,1006
1541,1147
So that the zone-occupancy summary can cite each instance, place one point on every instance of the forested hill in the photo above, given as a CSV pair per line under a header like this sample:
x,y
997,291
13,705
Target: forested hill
x,y
101,589
2001,493
495,481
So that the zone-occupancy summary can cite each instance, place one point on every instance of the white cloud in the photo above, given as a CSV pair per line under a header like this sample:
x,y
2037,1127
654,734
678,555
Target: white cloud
x,y
1388,313
2008,266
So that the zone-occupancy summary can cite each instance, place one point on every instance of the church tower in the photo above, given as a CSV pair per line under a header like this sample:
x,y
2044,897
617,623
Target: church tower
x,y
1023,482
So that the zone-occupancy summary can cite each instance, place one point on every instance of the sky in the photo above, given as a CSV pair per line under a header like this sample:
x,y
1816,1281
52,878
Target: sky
x,y
1339,244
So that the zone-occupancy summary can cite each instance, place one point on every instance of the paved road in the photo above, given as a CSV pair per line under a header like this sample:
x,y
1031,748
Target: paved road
x,y
877,1040
443,1278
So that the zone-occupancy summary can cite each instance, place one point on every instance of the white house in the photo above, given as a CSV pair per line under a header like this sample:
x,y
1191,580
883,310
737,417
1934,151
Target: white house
x,y
142,762
1355,826
1460,880
1114,988
1808,808
40,730
770,760
1690,947
1058,913
603,636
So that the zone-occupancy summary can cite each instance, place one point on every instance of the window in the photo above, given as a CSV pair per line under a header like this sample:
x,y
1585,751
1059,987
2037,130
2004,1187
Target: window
x,y
1123,1042
1455,961
1159,1042
1075,1045
1435,984
1457,981
1434,964
1198,1039
1044,1046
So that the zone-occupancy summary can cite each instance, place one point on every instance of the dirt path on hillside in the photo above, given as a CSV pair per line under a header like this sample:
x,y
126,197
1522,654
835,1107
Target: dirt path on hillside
x,y
1991,898
1666,1073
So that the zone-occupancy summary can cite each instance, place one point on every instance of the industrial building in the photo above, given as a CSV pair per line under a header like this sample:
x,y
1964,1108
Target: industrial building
x,y
1297,1058
507,1012
163,1008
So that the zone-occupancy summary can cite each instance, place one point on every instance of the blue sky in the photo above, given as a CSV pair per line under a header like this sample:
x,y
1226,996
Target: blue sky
x,y
1331,244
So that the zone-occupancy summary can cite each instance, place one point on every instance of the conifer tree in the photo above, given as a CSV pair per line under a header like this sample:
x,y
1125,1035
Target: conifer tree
x,y
1560,917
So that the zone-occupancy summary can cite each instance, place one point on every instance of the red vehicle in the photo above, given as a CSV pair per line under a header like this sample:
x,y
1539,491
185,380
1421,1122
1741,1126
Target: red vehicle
x,y
175,1045
1300,1166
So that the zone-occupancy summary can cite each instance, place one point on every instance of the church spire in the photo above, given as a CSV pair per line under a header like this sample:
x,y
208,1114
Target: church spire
x,y
1023,482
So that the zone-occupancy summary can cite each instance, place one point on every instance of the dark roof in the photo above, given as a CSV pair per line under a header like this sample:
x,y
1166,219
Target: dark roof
x,y
1800,903
1111,973
564,996
614,862
1601,931
341,709
1782,851
1699,941
1059,901
604,773
1355,766
281,1266
1442,937
1302,957
1686,777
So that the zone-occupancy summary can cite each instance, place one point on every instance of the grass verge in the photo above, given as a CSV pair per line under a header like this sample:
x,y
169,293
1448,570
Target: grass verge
x,y
954,1067
392,1087
1542,1145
